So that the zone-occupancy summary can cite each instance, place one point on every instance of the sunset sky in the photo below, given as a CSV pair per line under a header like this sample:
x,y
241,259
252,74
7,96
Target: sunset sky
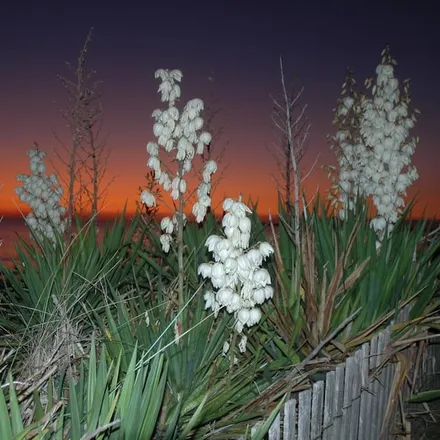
x,y
236,43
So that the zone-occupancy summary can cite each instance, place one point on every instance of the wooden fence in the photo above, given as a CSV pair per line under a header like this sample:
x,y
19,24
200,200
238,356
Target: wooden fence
x,y
351,403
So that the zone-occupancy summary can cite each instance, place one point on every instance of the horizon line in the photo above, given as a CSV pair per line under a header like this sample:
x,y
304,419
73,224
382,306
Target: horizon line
x,y
117,214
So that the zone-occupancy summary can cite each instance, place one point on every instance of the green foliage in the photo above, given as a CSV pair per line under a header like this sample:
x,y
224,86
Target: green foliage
x,y
402,268
102,402
425,396
203,386
155,355
50,286
343,271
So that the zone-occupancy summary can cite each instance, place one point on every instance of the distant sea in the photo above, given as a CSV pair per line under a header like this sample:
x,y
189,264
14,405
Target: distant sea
x,y
10,229
13,227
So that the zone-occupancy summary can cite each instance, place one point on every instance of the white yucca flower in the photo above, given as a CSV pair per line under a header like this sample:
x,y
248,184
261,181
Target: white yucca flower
x,y
148,199
385,128
226,346
240,283
165,241
372,146
182,132
43,194
167,225
349,148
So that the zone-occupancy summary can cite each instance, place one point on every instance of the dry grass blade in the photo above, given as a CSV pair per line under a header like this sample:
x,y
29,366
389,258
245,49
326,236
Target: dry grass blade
x,y
310,289
321,311
101,429
278,259
4,358
334,288
43,423
38,384
400,375
282,322
353,277
410,341
419,356
365,335
324,342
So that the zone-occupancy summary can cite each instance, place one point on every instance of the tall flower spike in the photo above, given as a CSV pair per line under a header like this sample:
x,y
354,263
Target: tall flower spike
x,y
349,147
372,145
180,132
385,128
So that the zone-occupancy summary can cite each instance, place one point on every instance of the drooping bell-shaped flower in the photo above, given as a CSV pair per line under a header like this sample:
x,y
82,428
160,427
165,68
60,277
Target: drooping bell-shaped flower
x,y
239,281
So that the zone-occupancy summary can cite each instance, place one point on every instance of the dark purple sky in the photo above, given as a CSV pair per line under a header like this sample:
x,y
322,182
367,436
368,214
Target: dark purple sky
x,y
241,43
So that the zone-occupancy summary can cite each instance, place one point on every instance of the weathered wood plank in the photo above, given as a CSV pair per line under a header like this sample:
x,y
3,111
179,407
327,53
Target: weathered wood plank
x,y
275,429
375,388
328,405
347,402
304,414
255,428
382,391
364,416
356,392
338,401
290,420
387,379
317,410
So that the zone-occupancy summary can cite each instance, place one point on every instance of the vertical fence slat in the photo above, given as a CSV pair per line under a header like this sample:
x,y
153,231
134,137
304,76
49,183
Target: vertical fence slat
x,y
275,429
380,398
352,401
317,410
255,428
289,425
389,377
328,405
355,395
375,388
338,400
365,394
304,414
347,402
387,380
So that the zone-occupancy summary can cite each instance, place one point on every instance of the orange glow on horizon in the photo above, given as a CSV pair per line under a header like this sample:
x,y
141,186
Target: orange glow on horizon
x,y
248,174
265,196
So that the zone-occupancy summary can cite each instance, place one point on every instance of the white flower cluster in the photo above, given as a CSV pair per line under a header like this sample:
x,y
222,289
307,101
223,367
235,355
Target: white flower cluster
x,y
241,284
42,193
385,126
180,132
374,153
351,150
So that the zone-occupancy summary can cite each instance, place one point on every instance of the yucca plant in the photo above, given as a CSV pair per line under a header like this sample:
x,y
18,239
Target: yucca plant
x,y
350,289
371,278
50,290
102,402
206,395
205,388
344,271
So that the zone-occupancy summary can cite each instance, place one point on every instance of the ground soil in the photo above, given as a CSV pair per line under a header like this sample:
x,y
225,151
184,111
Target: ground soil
x,y
425,420
423,426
